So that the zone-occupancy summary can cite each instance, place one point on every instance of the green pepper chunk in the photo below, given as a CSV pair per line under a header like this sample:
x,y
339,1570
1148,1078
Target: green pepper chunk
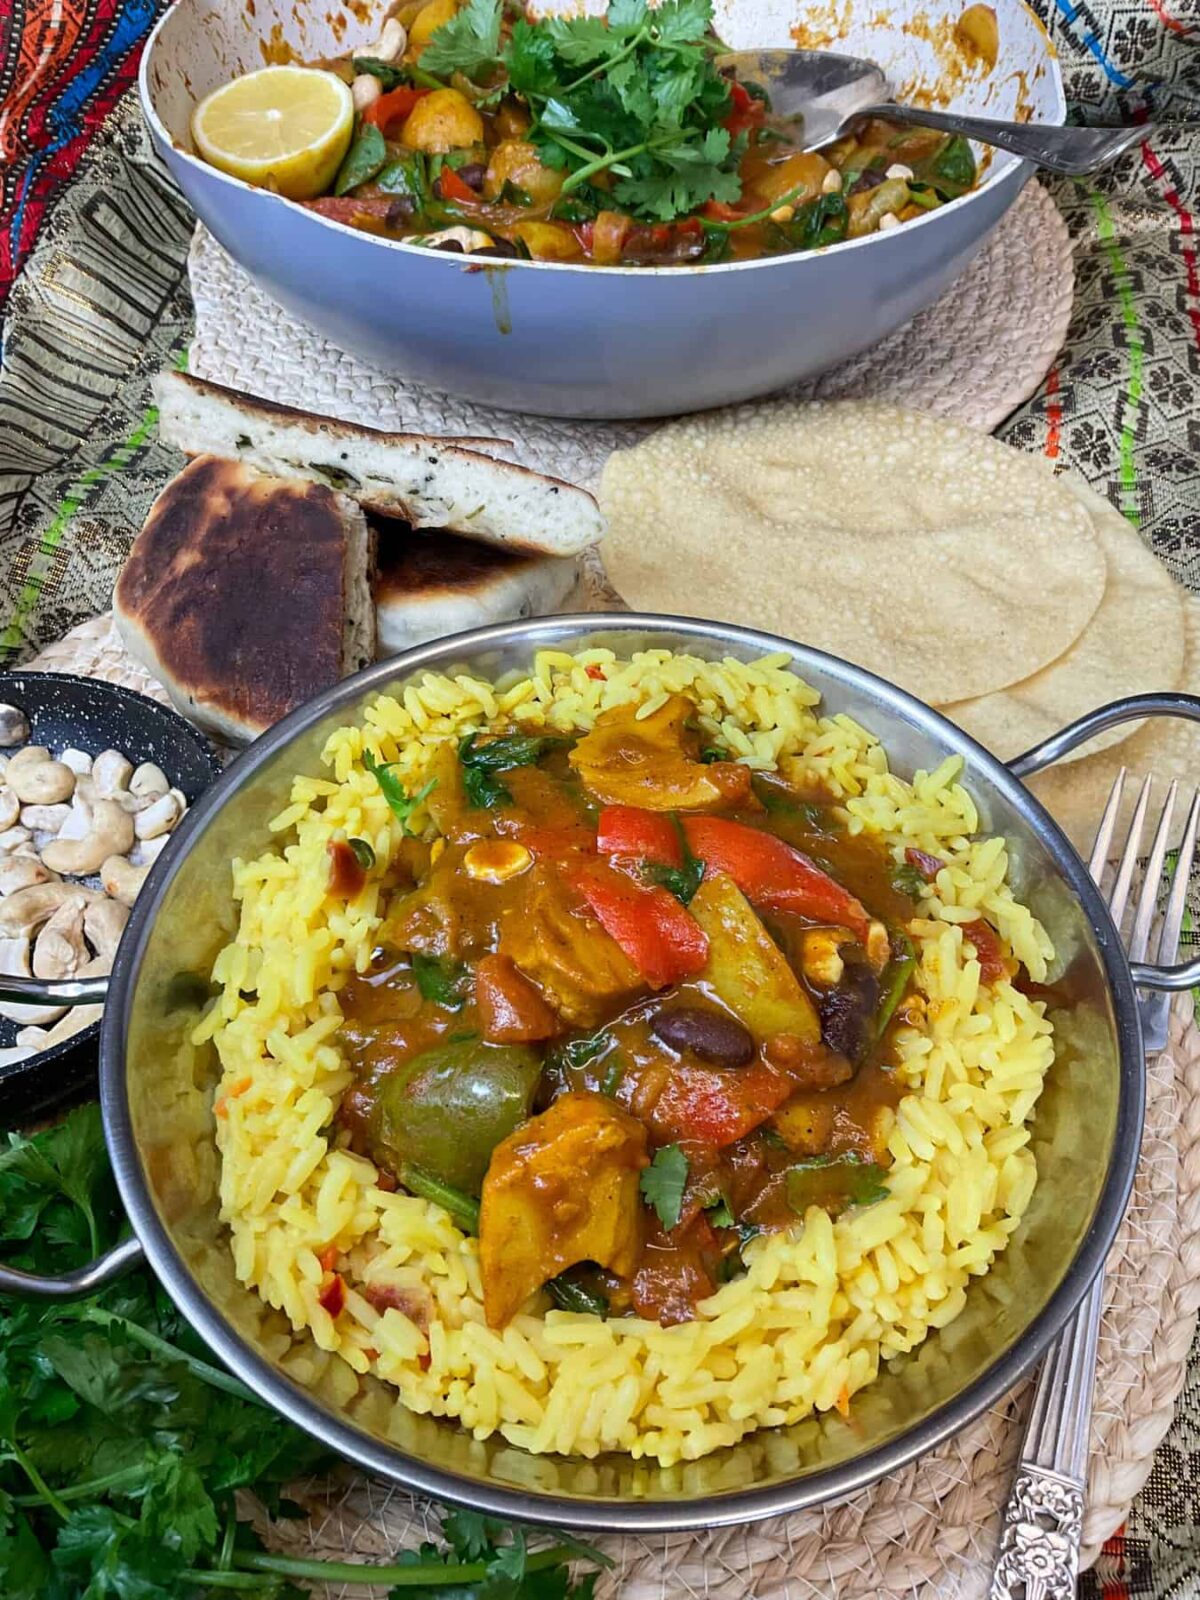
x,y
448,1108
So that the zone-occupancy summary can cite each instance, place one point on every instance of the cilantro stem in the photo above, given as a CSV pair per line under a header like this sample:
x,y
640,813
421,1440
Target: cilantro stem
x,y
611,159
151,1341
431,1573
425,80
226,1580
757,216
610,62
46,1495
127,1478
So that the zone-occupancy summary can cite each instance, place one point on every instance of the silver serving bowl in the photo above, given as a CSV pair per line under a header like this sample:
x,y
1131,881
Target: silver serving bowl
x,y
584,341
156,1094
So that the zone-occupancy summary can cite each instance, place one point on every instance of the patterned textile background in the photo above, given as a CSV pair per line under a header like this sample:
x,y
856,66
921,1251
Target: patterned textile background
x,y
93,294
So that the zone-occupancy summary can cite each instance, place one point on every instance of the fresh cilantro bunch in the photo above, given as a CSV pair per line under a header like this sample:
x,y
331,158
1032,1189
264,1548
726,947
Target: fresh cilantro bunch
x,y
122,1444
633,94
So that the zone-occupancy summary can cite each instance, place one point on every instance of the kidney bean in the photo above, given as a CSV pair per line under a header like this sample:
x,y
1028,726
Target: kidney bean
x,y
504,249
473,175
714,1038
848,1011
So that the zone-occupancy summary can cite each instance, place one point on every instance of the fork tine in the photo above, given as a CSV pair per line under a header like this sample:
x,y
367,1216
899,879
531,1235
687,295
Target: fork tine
x,y
1168,939
1120,889
1104,832
1139,939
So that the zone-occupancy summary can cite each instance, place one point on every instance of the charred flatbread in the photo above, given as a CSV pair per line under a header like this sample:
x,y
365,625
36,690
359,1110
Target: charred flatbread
x,y
246,595
433,584
428,482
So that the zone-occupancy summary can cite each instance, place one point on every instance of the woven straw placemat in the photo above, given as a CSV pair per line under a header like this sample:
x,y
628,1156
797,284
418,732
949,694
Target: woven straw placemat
x,y
975,355
930,1530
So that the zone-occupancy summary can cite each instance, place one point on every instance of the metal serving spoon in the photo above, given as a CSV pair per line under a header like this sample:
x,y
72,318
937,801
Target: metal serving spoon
x,y
824,92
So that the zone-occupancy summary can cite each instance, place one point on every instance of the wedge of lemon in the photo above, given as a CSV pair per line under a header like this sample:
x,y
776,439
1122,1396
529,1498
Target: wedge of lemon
x,y
282,128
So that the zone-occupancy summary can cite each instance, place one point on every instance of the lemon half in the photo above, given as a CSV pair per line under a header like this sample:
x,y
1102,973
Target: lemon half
x,y
282,128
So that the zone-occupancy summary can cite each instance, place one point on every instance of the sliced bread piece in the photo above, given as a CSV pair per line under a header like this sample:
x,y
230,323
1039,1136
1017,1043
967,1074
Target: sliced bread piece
x,y
246,595
433,584
430,483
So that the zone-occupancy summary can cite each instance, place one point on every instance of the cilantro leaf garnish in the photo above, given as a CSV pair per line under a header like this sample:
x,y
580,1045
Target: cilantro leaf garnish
x,y
402,804
835,1181
441,979
663,1183
481,763
634,93
682,881
468,42
719,1214
363,853
906,879
122,1449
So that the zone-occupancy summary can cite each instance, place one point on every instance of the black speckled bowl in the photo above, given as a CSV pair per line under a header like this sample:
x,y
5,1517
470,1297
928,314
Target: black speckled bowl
x,y
93,716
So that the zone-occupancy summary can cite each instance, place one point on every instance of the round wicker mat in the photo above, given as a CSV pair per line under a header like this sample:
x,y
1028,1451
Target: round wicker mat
x,y
975,355
931,1530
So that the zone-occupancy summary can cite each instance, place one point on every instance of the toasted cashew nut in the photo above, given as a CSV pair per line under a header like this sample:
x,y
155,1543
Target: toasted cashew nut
x,y
44,819
149,779
122,880
111,771
9,808
161,817
111,834
78,760
22,872
13,838
31,756
365,90
391,41
41,783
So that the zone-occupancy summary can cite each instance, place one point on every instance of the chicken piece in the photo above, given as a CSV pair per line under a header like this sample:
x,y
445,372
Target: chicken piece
x,y
653,762
561,1189
582,972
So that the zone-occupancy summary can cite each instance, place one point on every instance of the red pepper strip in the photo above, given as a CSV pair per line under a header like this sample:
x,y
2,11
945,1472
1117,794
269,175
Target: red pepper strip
x,y
664,943
747,112
772,874
393,107
585,232
643,835
988,950
715,1106
332,1296
718,211
927,866
348,208
454,188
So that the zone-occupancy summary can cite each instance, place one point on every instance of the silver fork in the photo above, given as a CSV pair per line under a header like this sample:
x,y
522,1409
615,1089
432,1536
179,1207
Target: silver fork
x,y
1043,1519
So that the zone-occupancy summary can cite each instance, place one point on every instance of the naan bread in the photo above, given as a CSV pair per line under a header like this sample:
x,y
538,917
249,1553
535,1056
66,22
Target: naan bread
x,y
430,483
433,584
246,595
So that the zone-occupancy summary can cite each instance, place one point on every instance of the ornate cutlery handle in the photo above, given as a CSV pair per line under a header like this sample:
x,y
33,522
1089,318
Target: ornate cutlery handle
x,y
1043,1518
1039,1547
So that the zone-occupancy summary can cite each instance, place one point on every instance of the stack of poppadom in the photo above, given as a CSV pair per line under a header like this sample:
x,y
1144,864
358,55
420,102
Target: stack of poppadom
x,y
960,568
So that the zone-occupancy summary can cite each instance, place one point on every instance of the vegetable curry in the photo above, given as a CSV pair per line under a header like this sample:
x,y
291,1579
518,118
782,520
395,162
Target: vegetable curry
x,y
618,141
634,1005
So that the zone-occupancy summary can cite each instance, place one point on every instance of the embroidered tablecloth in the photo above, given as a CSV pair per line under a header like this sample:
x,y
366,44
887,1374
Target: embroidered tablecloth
x,y
93,297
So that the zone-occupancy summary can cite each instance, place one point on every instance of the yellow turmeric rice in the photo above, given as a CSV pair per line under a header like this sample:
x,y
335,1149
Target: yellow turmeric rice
x,y
821,1305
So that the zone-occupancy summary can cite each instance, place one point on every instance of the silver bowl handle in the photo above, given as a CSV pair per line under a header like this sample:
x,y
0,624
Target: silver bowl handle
x,y
97,1275
1186,974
